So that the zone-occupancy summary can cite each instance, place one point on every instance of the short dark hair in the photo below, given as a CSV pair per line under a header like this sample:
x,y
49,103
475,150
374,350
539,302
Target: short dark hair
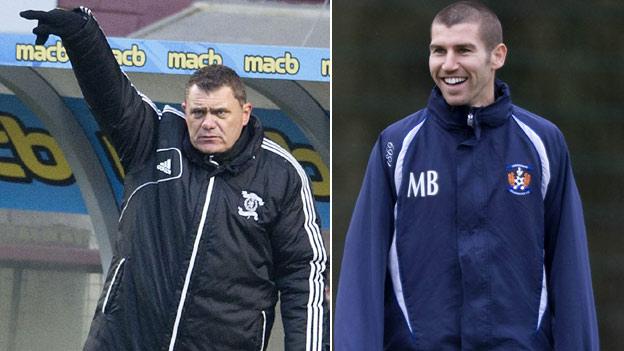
x,y
213,77
471,11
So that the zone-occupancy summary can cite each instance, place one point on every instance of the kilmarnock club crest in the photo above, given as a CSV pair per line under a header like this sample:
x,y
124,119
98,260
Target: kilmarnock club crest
x,y
519,179
252,201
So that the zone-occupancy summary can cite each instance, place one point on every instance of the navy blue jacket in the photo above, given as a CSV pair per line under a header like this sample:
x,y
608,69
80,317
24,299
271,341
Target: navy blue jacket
x,y
468,234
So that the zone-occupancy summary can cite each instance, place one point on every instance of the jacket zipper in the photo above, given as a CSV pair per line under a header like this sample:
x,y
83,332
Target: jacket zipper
x,y
189,271
263,330
110,287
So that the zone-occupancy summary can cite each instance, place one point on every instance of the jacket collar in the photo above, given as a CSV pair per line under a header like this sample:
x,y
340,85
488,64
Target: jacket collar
x,y
457,117
234,160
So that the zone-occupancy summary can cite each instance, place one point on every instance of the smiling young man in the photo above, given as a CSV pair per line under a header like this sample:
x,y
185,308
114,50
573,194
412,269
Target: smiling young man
x,y
216,220
468,232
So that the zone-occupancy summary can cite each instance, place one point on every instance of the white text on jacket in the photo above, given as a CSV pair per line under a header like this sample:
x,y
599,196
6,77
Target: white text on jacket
x,y
427,184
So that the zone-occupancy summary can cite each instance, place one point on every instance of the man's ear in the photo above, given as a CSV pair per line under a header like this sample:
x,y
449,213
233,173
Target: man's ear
x,y
184,105
247,107
498,56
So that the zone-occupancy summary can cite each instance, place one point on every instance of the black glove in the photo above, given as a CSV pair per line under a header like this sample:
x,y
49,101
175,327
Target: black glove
x,y
58,22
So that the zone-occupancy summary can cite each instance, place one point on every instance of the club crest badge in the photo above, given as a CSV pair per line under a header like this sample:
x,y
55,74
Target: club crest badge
x,y
519,179
251,203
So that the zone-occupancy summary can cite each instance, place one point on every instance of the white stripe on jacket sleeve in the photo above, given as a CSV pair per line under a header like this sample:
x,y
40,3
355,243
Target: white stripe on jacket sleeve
x,y
314,328
393,258
545,163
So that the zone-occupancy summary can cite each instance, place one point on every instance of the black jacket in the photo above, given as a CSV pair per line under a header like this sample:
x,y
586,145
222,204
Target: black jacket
x,y
205,242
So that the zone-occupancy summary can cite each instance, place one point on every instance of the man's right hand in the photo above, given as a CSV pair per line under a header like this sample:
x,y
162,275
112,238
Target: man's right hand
x,y
58,22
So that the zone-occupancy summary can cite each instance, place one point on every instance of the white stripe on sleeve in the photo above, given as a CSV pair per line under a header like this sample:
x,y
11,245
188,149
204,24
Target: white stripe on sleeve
x,y
314,328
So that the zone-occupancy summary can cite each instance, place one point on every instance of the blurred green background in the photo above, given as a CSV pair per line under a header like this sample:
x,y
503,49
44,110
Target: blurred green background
x,y
565,62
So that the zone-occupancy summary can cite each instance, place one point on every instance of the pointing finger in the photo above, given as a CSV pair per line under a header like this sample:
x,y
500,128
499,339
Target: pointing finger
x,y
33,14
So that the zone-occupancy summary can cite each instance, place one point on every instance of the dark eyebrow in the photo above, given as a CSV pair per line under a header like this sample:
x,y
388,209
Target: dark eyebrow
x,y
218,110
458,46
199,109
467,46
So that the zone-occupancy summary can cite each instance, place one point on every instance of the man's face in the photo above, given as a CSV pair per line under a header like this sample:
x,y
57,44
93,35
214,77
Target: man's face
x,y
461,66
215,119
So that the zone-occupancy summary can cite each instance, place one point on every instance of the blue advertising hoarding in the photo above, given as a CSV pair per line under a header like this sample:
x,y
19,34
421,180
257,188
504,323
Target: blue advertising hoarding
x,y
174,57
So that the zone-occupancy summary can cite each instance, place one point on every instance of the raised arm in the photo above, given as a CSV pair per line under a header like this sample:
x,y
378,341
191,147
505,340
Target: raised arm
x,y
127,116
